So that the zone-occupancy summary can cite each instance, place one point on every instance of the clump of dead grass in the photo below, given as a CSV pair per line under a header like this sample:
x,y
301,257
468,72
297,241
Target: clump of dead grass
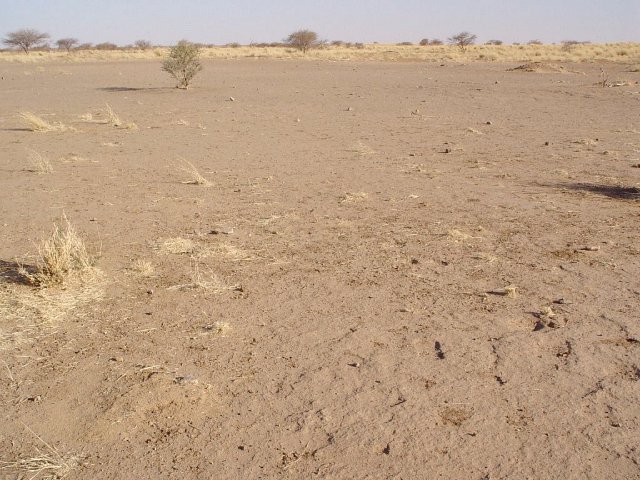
x,y
59,256
50,464
39,164
199,281
39,124
195,178
363,149
143,268
176,246
114,120
350,197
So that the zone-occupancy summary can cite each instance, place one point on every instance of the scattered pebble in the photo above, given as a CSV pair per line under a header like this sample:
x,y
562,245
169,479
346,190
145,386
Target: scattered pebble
x,y
231,99
590,249
221,229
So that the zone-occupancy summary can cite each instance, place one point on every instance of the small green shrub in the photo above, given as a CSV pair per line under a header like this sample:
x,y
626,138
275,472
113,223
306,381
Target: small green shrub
x,y
183,63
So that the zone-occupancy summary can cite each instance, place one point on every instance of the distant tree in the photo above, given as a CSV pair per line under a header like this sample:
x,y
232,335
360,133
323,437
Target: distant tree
x,y
106,46
183,63
67,43
462,40
26,39
405,44
435,42
142,44
534,42
494,42
85,46
570,44
303,40
424,42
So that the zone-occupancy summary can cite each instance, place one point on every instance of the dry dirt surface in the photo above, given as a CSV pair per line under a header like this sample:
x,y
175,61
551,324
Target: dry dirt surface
x,y
386,271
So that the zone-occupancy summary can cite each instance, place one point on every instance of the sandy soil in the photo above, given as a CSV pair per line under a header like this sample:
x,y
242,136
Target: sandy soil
x,y
336,303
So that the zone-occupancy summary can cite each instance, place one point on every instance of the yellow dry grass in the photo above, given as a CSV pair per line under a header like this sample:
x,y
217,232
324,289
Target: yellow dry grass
x,y
195,178
114,120
29,314
612,52
143,268
59,256
38,163
49,464
39,124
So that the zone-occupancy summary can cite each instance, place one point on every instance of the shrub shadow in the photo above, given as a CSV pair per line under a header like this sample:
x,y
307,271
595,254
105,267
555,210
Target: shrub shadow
x,y
129,89
10,272
612,191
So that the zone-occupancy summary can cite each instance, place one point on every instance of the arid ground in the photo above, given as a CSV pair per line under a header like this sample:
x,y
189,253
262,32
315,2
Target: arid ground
x,y
396,271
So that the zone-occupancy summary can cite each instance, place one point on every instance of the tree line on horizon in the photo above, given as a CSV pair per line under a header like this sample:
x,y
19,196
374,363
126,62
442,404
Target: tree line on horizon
x,y
30,39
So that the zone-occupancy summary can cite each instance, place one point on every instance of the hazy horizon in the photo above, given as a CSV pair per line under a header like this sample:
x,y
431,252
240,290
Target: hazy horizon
x,y
164,22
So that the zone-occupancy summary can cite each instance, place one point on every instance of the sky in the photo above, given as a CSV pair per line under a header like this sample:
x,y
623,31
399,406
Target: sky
x,y
164,22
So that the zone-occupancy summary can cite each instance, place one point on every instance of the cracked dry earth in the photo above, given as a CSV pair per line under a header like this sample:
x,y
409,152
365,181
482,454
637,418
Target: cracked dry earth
x,y
398,271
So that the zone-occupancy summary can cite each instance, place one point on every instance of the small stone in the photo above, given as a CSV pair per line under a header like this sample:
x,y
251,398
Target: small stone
x,y
349,109
221,229
489,122
231,99
354,364
150,292
117,359
415,261
546,144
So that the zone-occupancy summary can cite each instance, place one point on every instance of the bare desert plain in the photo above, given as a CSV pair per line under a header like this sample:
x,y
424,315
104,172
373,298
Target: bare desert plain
x,y
322,269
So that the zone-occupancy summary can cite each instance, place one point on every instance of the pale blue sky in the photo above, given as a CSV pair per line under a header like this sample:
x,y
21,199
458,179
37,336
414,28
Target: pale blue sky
x,y
384,21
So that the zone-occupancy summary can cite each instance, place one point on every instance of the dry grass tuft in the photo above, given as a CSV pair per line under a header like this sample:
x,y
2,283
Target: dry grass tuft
x,y
60,255
228,251
353,197
363,149
177,246
38,124
210,283
28,314
143,268
39,164
47,465
196,178
112,117
459,236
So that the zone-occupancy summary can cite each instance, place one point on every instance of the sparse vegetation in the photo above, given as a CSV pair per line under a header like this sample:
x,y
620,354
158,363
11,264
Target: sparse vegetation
x,y
183,63
142,44
106,46
26,39
195,177
38,124
39,164
60,255
303,40
462,40
67,43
